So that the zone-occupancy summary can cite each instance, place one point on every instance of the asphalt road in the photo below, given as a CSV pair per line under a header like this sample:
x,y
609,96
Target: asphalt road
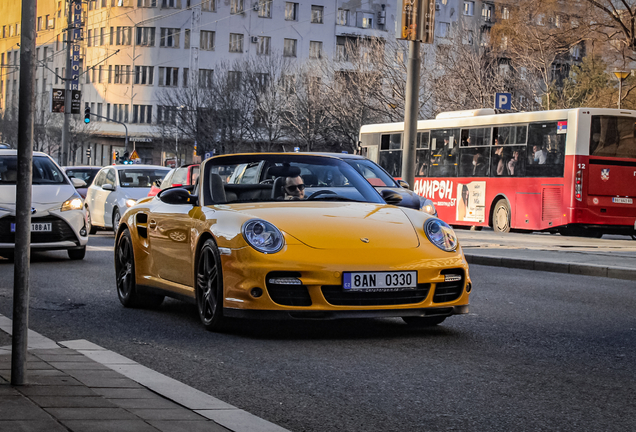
x,y
538,352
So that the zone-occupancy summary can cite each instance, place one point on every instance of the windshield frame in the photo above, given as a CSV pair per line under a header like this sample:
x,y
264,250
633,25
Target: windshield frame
x,y
358,182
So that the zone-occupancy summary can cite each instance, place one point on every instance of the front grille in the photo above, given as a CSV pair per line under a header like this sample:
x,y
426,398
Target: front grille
x,y
335,295
449,291
60,231
287,295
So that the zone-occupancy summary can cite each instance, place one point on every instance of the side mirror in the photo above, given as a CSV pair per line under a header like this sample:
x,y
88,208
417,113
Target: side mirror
x,y
403,184
108,187
158,182
391,197
178,196
78,183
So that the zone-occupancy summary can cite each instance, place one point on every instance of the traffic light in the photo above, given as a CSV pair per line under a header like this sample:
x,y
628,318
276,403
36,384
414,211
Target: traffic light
x,y
115,157
88,152
87,114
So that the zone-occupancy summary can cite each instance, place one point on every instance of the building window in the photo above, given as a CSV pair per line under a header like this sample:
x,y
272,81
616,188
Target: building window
x,y
289,49
168,76
236,42
172,4
468,39
120,113
317,14
486,12
39,24
208,6
146,3
234,80
186,77
102,36
146,36
186,39
207,40
291,11
236,6
262,47
50,22
265,8
444,29
315,49
166,114
205,78
170,37
505,13
469,8
367,20
123,36
122,74
142,114
343,17
89,40
144,75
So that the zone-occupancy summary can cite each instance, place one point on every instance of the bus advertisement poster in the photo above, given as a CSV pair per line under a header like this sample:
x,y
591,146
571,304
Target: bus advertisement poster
x,y
471,201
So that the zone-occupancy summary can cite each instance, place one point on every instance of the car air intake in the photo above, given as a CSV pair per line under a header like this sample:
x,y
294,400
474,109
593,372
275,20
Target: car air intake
x,y
335,295
452,288
285,288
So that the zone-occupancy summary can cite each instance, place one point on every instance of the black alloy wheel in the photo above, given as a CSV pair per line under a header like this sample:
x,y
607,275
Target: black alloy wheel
x,y
209,286
424,321
125,274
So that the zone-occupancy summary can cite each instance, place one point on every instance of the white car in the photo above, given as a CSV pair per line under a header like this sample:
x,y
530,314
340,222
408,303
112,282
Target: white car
x,y
115,189
58,219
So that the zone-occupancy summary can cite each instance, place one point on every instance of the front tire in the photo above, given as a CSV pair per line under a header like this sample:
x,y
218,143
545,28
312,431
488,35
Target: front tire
x,y
89,222
421,322
77,254
501,217
209,287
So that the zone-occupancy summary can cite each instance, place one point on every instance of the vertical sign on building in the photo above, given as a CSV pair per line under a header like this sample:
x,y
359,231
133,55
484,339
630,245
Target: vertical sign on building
x,y
415,20
76,37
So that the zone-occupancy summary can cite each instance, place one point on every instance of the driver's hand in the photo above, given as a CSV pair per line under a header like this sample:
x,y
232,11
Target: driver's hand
x,y
292,198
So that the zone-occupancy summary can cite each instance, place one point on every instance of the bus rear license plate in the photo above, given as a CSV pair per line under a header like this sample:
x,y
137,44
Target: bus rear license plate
x,y
379,281
622,200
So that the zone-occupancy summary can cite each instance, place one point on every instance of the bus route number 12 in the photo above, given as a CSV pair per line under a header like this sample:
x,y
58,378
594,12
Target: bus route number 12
x,y
581,166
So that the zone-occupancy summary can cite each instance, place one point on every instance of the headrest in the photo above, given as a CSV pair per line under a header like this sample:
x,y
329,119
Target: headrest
x,y
284,170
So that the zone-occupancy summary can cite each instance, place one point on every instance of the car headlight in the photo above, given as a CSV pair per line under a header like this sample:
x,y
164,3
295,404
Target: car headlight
x,y
73,203
130,202
263,236
426,205
440,234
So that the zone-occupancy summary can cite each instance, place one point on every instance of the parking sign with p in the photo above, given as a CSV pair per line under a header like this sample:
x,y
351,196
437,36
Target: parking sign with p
x,y
503,101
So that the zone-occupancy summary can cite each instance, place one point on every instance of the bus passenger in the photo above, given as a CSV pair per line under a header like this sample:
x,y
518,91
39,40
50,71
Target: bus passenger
x,y
539,154
479,167
513,163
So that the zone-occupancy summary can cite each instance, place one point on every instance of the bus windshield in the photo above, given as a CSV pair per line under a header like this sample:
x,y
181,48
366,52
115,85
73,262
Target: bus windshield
x,y
613,136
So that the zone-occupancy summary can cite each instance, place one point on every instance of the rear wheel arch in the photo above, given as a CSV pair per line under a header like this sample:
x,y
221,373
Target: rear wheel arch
x,y
493,203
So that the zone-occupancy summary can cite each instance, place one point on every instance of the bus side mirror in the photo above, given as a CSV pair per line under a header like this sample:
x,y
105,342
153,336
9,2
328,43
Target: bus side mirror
x,y
403,184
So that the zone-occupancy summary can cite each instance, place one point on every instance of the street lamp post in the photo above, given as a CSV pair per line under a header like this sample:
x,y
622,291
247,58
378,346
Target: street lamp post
x,y
621,75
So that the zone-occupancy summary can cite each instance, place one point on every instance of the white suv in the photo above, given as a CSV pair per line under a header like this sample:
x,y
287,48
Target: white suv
x,y
115,189
58,220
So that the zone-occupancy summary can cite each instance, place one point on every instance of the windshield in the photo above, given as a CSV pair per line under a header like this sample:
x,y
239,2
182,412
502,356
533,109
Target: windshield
x,y
372,172
44,171
613,136
86,174
140,177
292,177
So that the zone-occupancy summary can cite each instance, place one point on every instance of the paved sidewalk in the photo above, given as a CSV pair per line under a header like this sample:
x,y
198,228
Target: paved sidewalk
x,y
613,258
81,387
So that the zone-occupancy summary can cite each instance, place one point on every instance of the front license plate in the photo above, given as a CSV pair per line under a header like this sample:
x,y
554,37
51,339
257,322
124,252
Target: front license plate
x,y
37,227
622,200
379,281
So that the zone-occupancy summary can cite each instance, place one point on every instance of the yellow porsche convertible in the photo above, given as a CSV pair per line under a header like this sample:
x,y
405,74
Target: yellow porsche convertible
x,y
289,236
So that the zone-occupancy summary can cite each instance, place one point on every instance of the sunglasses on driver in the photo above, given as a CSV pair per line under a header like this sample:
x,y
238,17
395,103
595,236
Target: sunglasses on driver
x,y
293,188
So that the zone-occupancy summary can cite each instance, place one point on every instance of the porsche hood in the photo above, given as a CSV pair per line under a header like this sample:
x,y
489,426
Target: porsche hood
x,y
342,225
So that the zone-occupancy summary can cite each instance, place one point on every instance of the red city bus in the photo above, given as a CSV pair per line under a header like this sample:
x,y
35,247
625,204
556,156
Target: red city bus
x,y
569,171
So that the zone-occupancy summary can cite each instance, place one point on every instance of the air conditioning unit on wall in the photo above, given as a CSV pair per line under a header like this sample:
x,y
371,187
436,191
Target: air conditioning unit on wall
x,y
254,39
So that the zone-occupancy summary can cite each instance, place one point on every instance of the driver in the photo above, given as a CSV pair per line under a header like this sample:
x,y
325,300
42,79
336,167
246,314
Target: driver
x,y
294,188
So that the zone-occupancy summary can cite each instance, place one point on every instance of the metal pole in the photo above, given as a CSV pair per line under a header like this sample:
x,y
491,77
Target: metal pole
x,y
620,90
411,109
67,86
22,253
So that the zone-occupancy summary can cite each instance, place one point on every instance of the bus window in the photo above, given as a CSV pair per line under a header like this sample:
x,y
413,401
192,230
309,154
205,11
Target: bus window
x,y
443,153
508,135
613,136
391,154
421,155
545,151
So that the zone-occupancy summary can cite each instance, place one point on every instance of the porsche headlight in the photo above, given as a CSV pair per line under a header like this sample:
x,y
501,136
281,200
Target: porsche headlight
x,y
440,234
73,203
263,236
130,202
427,206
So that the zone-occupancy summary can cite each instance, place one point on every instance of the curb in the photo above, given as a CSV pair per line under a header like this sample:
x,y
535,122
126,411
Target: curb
x,y
549,266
